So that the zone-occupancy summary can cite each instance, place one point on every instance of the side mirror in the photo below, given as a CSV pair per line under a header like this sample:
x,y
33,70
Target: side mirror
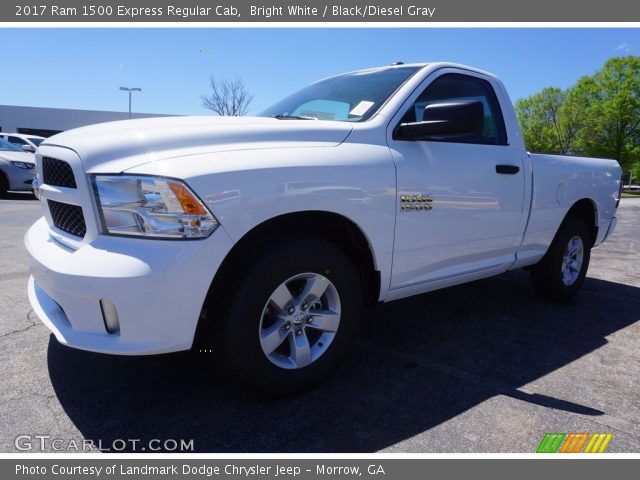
x,y
28,148
445,120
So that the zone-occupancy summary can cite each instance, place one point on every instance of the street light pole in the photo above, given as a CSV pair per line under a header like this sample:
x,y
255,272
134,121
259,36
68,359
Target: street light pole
x,y
132,89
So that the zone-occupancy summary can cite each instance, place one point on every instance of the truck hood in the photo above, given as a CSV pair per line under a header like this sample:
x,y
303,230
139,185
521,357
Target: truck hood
x,y
117,146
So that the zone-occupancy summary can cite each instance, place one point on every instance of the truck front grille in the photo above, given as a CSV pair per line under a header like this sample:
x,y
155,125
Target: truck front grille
x,y
57,173
68,218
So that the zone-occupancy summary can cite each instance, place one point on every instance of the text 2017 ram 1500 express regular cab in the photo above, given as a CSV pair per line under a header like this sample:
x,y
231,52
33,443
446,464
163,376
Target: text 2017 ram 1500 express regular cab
x,y
262,238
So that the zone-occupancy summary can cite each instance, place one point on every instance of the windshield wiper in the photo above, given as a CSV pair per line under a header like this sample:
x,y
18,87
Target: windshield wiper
x,y
293,117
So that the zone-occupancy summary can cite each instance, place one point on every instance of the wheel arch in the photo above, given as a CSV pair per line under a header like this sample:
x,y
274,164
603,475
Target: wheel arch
x,y
330,226
585,209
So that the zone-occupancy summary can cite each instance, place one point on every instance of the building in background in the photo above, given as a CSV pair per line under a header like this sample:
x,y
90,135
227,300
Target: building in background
x,y
49,121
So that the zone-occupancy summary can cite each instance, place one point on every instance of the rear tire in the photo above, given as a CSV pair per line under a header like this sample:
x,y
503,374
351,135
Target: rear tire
x,y
561,272
288,320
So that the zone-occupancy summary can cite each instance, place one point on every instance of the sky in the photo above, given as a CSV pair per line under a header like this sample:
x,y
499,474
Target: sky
x,y
84,68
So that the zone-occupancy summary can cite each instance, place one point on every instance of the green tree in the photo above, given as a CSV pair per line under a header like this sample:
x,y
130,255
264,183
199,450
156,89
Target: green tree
x,y
635,174
550,120
599,116
612,121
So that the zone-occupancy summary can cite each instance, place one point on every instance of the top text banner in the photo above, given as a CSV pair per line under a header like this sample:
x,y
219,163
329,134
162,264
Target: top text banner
x,y
331,11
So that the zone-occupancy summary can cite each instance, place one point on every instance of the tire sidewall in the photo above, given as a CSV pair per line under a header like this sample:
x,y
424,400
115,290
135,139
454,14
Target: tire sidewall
x,y
573,227
244,352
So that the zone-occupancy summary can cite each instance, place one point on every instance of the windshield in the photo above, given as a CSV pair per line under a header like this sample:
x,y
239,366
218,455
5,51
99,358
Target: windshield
x,y
8,147
351,97
36,141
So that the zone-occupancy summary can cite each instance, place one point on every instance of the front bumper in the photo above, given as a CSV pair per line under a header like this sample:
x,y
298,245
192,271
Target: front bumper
x,y
157,286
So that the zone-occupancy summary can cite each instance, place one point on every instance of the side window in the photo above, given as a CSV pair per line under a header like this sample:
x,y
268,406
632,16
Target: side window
x,y
455,86
16,140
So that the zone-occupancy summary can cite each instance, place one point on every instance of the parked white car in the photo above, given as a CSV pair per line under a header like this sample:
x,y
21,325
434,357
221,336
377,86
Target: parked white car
x,y
28,143
16,168
261,238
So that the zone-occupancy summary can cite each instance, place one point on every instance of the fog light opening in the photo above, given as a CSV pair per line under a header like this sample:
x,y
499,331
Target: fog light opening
x,y
110,316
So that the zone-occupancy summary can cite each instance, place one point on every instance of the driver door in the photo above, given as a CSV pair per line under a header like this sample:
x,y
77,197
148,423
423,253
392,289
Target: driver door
x,y
459,206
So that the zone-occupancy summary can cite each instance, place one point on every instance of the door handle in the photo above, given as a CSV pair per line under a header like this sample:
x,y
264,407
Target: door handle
x,y
507,169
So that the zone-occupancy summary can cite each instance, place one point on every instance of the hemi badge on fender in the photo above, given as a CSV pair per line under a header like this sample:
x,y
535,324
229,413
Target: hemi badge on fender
x,y
416,202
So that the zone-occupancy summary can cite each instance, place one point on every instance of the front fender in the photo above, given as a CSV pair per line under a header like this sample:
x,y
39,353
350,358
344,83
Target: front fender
x,y
243,189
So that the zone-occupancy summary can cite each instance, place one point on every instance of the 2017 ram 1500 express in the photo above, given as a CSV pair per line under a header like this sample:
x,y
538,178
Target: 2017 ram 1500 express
x,y
262,238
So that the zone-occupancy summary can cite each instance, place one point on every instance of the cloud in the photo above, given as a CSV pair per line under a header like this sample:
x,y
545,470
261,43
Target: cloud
x,y
623,47
121,65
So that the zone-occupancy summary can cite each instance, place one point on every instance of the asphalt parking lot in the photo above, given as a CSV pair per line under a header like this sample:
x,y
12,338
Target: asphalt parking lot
x,y
483,367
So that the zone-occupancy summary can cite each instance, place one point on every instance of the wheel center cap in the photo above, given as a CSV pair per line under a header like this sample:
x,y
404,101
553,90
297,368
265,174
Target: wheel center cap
x,y
298,317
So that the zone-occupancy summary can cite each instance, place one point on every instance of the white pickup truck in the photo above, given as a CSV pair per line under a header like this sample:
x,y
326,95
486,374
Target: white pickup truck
x,y
260,239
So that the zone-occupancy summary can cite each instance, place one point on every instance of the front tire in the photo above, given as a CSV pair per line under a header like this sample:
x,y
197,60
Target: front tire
x,y
560,274
290,319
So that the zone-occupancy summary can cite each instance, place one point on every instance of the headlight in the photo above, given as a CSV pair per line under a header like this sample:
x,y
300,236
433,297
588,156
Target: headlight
x,y
24,165
151,207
